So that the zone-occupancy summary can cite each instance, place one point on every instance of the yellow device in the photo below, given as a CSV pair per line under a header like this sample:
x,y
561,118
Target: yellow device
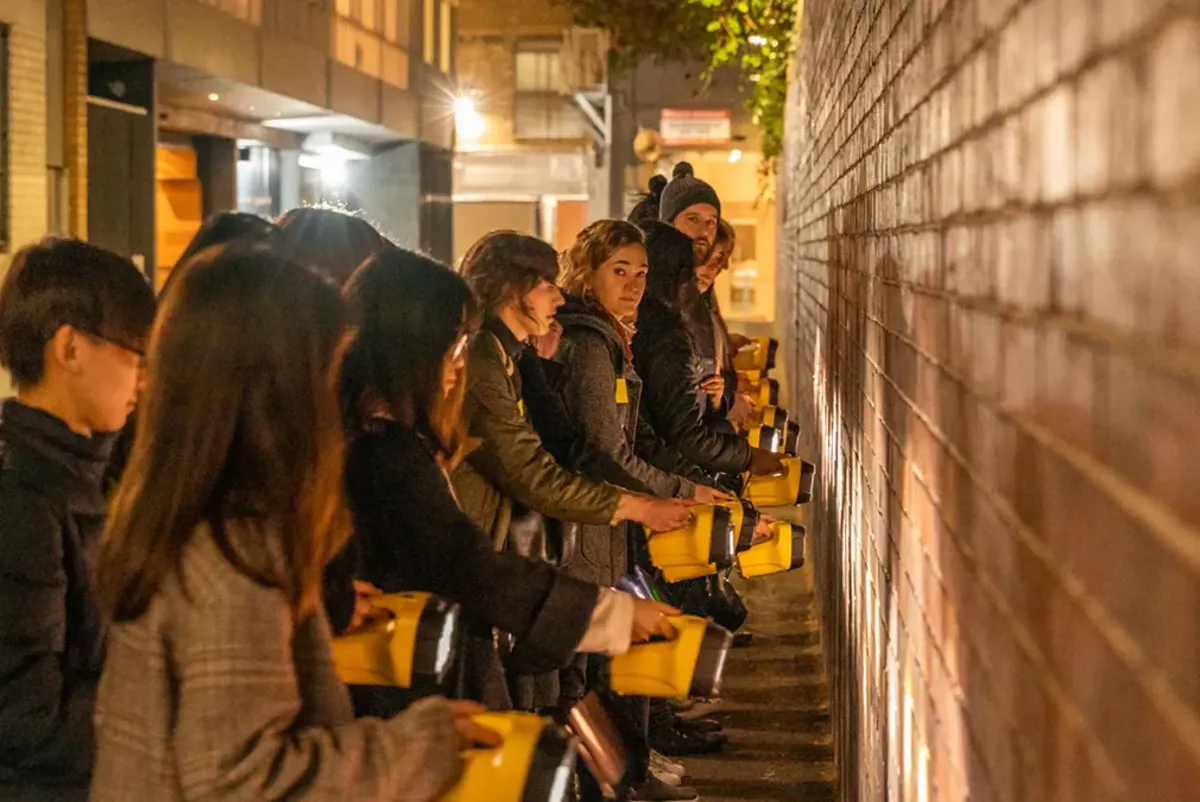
x,y
783,552
744,518
534,763
413,649
706,545
763,389
768,438
759,355
793,486
768,392
690,663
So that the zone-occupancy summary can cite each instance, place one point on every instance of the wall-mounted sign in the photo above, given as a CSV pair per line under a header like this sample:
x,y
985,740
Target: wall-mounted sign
x,y
695,126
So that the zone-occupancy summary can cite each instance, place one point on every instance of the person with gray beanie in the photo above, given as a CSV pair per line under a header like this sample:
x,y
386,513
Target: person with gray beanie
x,y
693,207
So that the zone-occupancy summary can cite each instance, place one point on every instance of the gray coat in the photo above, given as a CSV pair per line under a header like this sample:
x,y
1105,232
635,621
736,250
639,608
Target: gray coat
x,y
601,392
220,693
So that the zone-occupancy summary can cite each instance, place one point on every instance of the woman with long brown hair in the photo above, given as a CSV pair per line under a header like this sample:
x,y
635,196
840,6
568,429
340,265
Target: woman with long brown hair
x,y
219,683
403,385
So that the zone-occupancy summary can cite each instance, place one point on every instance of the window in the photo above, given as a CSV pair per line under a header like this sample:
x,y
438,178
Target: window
x,y
539,68
371,36
446,28
4,221
542,109
429,20
540,116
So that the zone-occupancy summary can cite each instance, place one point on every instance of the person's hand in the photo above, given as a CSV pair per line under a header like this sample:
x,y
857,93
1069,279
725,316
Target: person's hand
x,y
738,341
710,495
764,463
742,411
546,344
469,733
762,531
660,515
650,619
715,387
365,611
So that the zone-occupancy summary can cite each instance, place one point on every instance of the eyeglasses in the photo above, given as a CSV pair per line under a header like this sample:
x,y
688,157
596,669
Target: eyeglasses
x,y
139,352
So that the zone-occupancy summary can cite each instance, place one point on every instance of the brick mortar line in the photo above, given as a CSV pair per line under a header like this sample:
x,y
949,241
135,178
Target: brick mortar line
x,y
1049,679
1152,679
1142,37
1173,533
1176,361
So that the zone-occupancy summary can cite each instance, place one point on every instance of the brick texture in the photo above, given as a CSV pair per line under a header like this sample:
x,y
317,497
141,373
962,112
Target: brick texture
x,y
27,191
989,282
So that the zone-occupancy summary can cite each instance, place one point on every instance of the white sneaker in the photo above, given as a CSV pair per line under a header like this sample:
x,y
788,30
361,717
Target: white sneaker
x,y
664,763
665,777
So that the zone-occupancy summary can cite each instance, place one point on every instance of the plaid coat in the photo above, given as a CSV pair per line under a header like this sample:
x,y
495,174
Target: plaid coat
x,y
221,694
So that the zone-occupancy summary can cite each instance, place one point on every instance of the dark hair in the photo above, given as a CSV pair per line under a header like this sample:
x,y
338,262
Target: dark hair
x,y
408,310
646,209
224,228
591,248
504,266
65,282
671,257
330,241
239,420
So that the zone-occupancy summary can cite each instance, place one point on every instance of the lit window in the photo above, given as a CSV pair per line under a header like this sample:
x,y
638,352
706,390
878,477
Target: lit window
x,y
446,28
430,20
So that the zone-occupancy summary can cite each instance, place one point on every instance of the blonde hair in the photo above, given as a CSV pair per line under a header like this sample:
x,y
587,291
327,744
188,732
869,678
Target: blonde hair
x,y
591,248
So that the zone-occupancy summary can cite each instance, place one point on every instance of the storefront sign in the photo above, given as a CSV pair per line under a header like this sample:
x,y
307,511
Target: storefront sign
x,y
695,127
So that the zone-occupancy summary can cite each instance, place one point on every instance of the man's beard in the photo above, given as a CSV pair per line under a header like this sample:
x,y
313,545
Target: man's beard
x,y
701,250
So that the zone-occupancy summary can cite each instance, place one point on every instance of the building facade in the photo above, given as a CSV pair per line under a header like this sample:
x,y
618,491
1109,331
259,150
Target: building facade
x,y
549,141
532,150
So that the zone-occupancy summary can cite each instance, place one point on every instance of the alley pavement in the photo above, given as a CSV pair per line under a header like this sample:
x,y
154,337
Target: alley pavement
x,y
775,703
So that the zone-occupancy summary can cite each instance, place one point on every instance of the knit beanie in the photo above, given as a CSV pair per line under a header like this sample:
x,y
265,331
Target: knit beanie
x,y
685,190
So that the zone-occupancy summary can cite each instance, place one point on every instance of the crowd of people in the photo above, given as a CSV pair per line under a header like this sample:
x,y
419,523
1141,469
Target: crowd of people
x,y
200,491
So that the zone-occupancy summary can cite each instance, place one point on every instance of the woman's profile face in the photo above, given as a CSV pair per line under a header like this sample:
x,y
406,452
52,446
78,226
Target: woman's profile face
x,y
540,305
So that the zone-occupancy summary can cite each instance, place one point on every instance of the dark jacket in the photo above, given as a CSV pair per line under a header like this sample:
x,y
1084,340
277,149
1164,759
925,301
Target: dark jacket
x,y
412,536
511,464
711,338
601,392
664,355
52,510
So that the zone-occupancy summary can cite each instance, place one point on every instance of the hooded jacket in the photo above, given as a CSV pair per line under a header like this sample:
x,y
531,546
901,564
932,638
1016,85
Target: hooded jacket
x,y
52,510
601,392
665,356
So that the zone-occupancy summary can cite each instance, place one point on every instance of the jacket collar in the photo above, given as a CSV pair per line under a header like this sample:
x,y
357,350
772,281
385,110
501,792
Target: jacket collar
x,y
508,341
79,461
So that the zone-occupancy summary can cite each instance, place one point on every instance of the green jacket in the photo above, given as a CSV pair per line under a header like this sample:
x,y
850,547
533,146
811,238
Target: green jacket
x,y
511,464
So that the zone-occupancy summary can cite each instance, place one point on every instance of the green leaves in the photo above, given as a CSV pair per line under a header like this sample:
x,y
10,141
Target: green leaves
x,y
757,36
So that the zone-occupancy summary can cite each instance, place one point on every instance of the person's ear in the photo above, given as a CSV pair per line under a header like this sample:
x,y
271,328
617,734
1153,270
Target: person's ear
x,y
64,350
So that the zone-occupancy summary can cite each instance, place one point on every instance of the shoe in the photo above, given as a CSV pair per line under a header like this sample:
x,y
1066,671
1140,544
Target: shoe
x,y
682,705
676,743
666,777
655,790
699,725
743,639
661,761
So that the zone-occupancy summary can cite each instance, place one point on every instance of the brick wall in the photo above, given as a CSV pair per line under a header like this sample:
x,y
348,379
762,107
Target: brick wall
x,y
989,277
26,127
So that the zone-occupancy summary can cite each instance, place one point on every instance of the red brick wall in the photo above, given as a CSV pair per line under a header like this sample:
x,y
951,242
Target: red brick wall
x,y
990,286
